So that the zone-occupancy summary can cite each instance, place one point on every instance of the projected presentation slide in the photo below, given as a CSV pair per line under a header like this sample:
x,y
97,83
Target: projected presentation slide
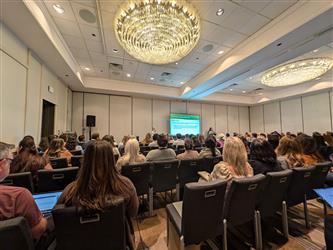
x,y
184,124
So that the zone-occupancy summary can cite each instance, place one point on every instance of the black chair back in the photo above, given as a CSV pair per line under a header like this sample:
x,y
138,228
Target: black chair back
x,y
77,160
20,180
274,193
242,199
208,163
202,205
140,176
318,178
144,149
329,231
76,152
299,185
59,163
79,229
164,175
180,151
57,179
187,171
15,235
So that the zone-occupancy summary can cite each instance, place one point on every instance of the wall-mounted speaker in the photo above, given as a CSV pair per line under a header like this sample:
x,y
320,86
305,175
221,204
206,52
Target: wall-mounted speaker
x,y
91,121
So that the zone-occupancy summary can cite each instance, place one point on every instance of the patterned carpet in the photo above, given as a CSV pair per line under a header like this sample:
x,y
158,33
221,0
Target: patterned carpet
x,y
150,232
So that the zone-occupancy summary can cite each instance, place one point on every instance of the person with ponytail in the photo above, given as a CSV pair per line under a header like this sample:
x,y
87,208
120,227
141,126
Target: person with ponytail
x,y
210,148
28,160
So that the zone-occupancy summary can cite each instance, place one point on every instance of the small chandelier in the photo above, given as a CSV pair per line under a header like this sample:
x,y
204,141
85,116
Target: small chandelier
x,y
297,72
157,31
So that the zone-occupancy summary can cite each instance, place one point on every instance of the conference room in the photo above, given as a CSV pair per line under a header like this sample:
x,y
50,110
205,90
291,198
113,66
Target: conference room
x,y
166,124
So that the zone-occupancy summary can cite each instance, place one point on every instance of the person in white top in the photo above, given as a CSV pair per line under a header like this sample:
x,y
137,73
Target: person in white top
x,y
154,142
179,141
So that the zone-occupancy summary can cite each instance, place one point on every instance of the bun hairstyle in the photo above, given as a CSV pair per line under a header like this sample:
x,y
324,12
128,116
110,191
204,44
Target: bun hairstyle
x,y
211,144
188,144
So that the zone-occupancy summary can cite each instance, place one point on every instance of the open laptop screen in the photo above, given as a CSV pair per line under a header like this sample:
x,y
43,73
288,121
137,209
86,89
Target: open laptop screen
x,y
47,201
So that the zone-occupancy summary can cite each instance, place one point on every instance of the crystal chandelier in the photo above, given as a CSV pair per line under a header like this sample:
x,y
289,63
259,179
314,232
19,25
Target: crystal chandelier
x,y
157,31
297,72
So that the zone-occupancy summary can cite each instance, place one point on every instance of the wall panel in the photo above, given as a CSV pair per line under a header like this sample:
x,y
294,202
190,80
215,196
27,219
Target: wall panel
x,y
316,108
77,113
233,120
178,107
142,116
244,122
272,118
257,119
221,118
120,116
331,101
208,117
69,109
161,112
194,108
291,115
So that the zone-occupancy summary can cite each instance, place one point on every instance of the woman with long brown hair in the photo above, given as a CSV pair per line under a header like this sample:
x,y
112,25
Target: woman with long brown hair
x,y
99,183
57,150
289,153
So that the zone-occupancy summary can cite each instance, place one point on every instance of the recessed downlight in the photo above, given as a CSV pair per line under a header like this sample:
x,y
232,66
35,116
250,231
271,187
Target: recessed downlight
x,y
316,50
152,78
231,89
243,91
115,51
220,12
182,83
220,52
58,8
176,63
86,68
128,75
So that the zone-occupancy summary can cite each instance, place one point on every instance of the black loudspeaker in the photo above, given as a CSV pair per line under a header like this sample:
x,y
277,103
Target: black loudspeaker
x,y
91,121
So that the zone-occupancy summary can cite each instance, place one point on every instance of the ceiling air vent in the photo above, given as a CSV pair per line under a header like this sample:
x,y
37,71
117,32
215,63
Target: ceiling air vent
x,y
115,66
166,74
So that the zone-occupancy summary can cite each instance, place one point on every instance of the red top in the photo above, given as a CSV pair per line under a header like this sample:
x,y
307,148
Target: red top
x,y
17,201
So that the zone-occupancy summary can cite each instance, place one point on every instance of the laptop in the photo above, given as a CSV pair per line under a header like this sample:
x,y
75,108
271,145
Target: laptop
x,y
46,201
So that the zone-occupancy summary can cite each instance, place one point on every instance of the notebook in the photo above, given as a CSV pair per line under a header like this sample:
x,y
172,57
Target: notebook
x,y
47,201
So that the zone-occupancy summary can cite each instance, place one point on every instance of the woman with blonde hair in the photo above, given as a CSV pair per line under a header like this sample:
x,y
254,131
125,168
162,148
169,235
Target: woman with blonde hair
x,y
147,139
132,154
289,153
234,164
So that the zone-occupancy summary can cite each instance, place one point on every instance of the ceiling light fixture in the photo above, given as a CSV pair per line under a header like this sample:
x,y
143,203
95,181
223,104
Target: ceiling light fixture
x,y
58,8
115,51
297,72
155,31
231,89
314,51
220,12
181,83
86,68
220,52
176,63
152,78
243,91
128,75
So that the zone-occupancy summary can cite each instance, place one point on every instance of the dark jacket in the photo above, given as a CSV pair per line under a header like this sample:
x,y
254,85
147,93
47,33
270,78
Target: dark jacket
x,y
260,167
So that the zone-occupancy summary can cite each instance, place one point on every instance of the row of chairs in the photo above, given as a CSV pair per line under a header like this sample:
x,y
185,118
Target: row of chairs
x,y
48,180
248,199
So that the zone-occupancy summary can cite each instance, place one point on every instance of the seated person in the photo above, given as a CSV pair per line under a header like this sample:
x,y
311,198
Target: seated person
x,y
95,136
220,140
263,158
110,139
179,141
99,183
147,139
289,153
72,143
234,164
18,201
43,145
121,146
154,143
210,149
57,150
162,153
132,154
189,153
28,160
81,140
308,147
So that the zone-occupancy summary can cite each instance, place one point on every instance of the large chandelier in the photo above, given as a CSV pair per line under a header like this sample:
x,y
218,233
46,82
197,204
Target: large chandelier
x,y
157,31
297,72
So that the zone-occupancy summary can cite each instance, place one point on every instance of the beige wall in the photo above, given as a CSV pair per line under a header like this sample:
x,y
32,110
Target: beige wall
x,y
300,114
123,115
23,86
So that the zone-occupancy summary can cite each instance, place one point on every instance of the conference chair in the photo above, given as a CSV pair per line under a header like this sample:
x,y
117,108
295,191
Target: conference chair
x,y
140,175
19,180
187,172
180,151
328,231
273,198
80,229
15,235
198,217
59,163
164,176
240,205
300,183
318,178
76,160
76,152
208,163
144,149
56,179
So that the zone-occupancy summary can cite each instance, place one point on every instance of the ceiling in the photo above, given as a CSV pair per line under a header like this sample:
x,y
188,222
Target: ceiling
x,y
246,35
94,44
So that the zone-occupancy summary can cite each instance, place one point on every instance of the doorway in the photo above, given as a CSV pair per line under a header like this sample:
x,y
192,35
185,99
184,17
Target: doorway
x,y
48,118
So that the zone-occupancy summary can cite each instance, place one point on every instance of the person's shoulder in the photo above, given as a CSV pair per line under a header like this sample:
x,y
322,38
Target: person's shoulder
x,y
127,181
15,191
